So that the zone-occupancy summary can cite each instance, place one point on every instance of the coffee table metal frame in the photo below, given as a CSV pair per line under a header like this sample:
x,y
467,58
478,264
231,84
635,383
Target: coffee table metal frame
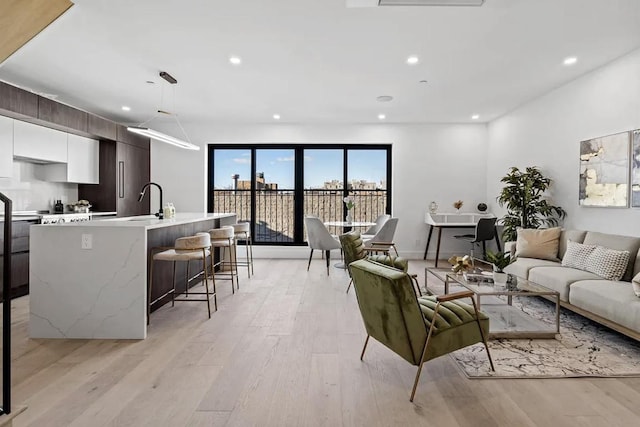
x,y
524,288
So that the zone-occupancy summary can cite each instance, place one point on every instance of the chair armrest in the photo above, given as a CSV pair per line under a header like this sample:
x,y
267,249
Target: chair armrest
x,y
510,248
454,296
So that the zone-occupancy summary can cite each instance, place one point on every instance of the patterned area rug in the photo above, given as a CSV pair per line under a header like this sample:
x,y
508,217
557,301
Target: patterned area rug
x,y
583,349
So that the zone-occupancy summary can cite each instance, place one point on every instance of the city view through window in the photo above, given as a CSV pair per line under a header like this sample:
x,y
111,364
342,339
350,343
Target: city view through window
x,y
275,187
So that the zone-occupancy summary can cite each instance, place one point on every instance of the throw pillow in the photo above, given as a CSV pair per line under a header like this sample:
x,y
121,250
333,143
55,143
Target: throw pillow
x,y
608,263
538,243
635,282
576,255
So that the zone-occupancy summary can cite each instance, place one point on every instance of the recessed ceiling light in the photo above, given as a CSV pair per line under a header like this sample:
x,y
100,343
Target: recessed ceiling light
x,y
570,60
150,82
412,60
423,81
235,60
475,117
276,117
125,108
381,117
384,98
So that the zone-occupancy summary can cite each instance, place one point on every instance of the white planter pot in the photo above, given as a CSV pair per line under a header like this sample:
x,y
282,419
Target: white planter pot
x,y
500,278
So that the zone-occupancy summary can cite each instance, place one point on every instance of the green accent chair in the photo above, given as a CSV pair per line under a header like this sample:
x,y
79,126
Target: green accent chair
x,y
417,329
353,249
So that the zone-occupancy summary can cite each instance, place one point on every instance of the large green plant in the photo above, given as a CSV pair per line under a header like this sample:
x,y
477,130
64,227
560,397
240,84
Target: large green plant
x,y
523,196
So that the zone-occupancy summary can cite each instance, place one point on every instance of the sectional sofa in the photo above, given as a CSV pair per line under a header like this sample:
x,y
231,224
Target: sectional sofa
x,y
611,303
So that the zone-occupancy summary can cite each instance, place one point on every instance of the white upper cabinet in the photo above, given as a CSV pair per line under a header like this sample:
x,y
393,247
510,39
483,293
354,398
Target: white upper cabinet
x,y
39,143
6,147
82,163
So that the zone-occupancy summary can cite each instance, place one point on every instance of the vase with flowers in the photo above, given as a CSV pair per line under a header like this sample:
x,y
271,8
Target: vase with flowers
x,y
350,204
458,204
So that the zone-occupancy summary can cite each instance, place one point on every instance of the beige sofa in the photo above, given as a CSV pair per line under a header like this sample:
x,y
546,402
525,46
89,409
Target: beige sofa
x,y
612,303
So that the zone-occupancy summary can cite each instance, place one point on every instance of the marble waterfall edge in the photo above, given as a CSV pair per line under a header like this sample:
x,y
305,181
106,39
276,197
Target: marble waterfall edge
x,y
88,293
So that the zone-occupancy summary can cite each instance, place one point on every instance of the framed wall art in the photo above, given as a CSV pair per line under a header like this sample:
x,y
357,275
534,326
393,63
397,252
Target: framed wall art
x,y
635,169
604,171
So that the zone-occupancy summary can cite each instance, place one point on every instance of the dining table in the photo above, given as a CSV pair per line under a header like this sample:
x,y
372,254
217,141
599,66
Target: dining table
x,y
347,226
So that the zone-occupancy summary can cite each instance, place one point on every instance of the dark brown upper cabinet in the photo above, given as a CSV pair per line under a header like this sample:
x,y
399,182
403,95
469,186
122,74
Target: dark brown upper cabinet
x,y
102,127
62,115
15,102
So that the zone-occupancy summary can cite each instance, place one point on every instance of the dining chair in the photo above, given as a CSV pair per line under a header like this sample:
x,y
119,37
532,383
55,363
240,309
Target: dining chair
x,y
382,241
318,237
378,225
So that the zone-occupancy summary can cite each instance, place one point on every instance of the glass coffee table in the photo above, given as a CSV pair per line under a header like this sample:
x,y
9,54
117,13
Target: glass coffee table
x,y
496,301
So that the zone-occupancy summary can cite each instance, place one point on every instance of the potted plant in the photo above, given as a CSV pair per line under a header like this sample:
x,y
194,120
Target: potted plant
x,y
500,261
524,197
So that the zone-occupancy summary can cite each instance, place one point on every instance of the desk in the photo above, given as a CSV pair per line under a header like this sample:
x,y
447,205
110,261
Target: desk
x,y
452,220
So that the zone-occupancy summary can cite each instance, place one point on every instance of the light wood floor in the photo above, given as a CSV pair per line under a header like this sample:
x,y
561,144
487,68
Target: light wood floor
x,y
284,351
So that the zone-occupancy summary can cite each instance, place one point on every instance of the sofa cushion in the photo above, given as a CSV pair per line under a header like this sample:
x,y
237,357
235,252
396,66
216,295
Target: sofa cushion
x,y
608,263
614,301
521,266
559,278
620,243
569,235
577,255
538,243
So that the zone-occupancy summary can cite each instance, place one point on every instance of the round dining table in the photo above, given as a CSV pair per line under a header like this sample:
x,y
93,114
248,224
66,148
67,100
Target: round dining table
x,y
346,226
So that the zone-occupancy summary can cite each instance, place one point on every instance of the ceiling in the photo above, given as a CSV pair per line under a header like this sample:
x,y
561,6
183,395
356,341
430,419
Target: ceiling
x,y
318,61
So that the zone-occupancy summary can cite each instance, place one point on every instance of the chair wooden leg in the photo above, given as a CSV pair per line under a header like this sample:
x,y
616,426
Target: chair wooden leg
x,y
310,256
173,294
350,283
149,287
424,352
365,347
484,339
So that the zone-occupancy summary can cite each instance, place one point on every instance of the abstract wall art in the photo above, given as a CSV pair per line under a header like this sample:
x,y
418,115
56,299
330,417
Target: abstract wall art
x,y
604,171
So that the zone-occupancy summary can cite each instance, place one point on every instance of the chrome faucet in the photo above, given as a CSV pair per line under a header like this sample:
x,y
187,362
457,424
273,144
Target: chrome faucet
x,y
159,214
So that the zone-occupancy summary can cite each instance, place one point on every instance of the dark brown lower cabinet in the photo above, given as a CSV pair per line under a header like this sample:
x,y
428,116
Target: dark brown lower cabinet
x,y
19,258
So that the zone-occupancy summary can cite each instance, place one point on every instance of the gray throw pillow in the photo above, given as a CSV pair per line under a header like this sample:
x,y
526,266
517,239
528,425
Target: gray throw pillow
x,y
576,255
607,263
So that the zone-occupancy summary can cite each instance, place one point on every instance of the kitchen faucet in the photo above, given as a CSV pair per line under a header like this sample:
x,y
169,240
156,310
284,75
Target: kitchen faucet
x,y
159,214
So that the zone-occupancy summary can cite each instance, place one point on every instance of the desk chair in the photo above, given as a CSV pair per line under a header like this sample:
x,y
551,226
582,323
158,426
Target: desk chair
x,y
485,230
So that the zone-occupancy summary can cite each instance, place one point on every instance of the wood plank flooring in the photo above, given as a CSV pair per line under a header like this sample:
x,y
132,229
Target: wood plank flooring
x,y
283,351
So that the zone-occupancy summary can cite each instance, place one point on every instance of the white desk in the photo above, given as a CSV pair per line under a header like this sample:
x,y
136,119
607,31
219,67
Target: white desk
x,y
452,220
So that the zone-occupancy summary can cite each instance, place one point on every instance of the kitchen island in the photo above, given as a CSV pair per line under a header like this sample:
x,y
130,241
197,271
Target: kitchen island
x,y
89,279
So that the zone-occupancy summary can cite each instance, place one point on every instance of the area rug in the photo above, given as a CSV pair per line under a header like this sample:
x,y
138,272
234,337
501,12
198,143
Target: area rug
x,y
583,349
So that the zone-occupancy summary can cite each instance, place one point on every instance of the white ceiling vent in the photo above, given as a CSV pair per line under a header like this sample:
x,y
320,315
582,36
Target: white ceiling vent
x,y
431,2
376,3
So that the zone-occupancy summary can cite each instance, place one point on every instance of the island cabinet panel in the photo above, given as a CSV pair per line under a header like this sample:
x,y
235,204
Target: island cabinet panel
x,y
16,102
62,115
163,270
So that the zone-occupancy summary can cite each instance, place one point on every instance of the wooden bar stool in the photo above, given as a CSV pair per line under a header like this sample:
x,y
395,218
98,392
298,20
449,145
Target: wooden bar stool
x,y
187,249
242,230
222,238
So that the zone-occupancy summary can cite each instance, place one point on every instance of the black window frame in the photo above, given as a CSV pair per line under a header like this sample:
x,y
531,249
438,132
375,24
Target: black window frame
x,y
298,178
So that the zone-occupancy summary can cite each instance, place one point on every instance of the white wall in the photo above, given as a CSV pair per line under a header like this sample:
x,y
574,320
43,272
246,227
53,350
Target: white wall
x,y
430,162
28,193
546,132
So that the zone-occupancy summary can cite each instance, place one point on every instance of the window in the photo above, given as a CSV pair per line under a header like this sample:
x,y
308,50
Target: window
x,y
274,186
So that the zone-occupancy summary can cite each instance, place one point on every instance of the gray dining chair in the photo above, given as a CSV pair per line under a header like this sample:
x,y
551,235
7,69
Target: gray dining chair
x,y
318,237
383,239
378,225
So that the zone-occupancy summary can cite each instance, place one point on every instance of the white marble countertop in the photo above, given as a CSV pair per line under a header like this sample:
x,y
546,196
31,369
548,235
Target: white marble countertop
x,y
145,221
